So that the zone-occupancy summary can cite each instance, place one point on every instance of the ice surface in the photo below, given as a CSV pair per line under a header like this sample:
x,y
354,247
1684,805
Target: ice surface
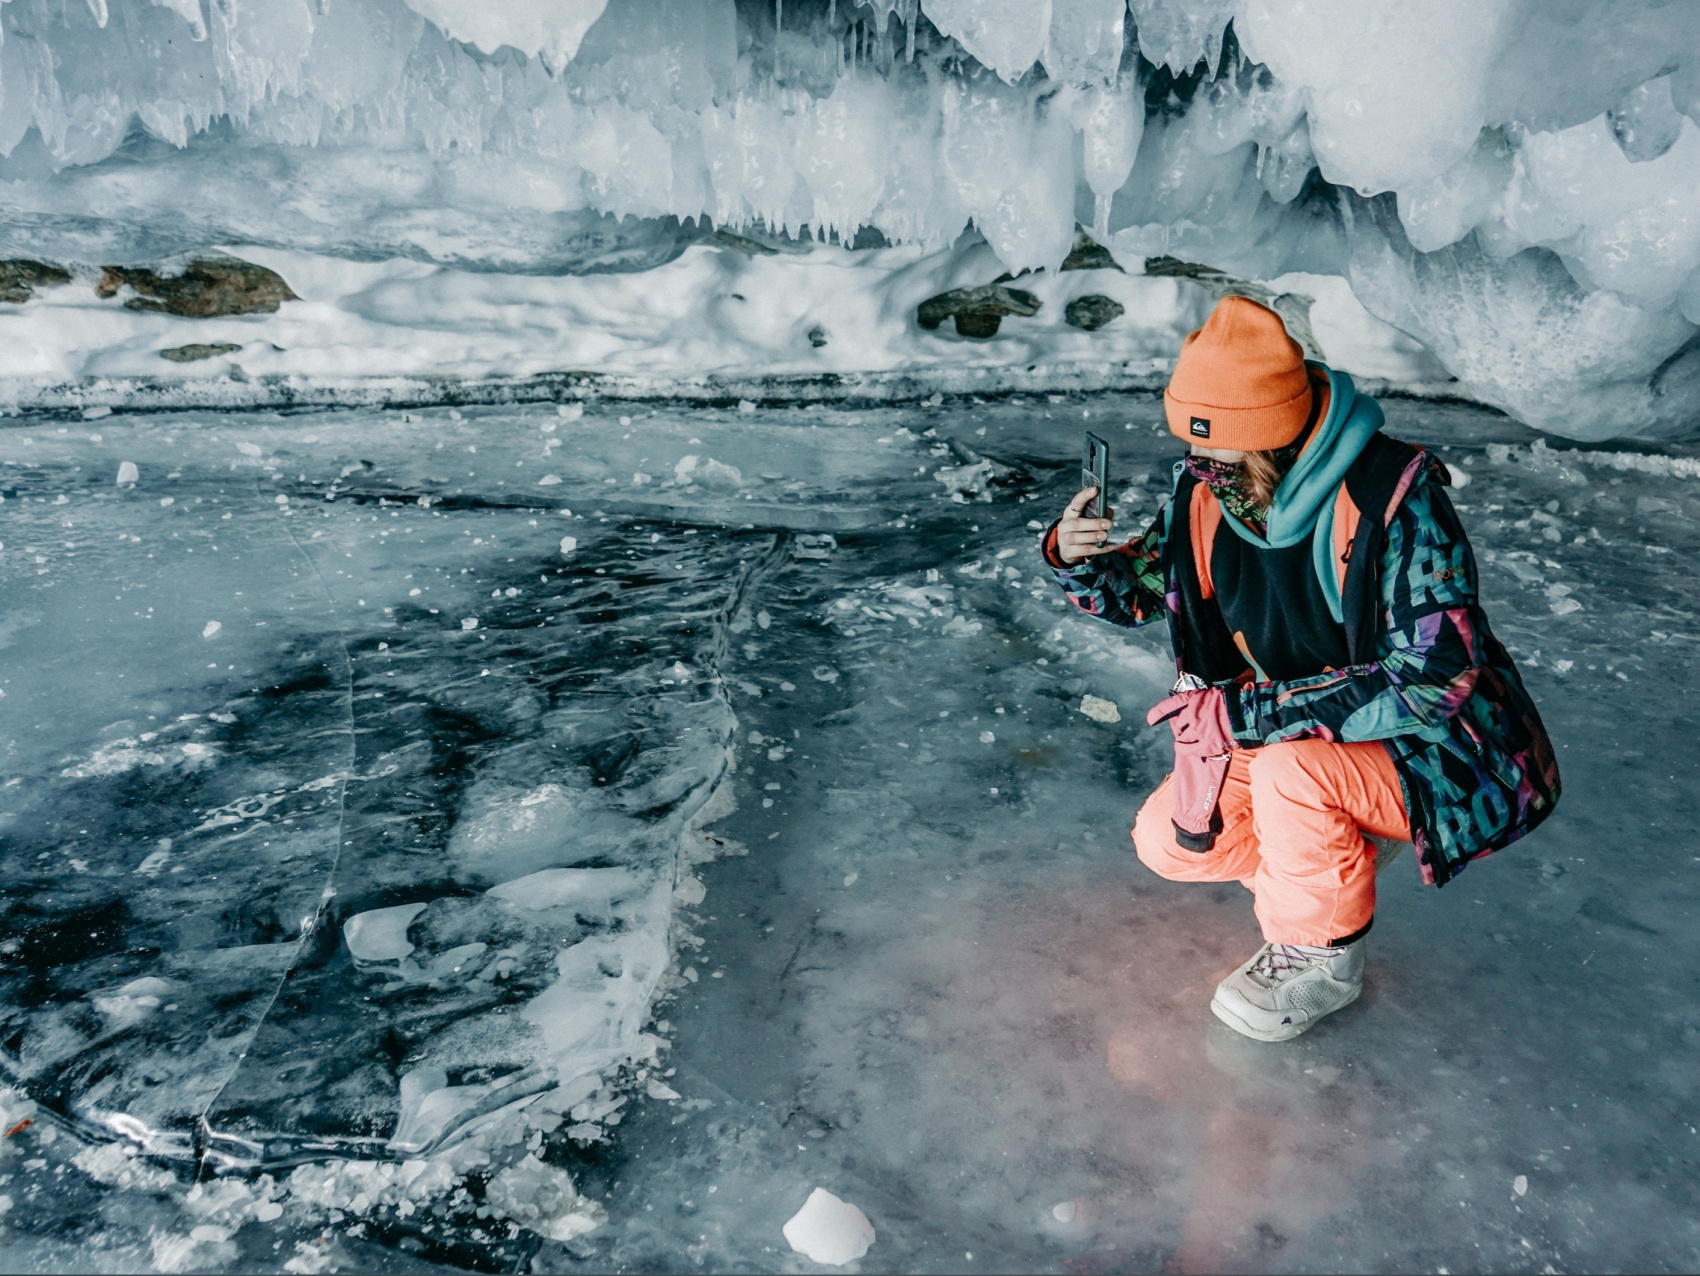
x,y
929,977
1450,160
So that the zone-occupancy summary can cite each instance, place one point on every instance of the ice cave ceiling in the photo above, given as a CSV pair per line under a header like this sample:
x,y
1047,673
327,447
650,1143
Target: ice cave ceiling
x,y
1515,184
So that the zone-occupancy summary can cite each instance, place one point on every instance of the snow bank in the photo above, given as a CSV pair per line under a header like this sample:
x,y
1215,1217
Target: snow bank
x,y
715,322
1511,184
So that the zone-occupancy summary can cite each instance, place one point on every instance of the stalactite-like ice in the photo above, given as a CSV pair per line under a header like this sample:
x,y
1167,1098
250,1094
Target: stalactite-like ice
x,y
1553,146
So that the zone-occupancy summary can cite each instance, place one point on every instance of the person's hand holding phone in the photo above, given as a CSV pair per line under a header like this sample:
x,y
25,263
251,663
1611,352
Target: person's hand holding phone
x,y
1079,536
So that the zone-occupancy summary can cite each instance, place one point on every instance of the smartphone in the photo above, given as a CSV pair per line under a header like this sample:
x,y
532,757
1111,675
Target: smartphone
x,y
1095,472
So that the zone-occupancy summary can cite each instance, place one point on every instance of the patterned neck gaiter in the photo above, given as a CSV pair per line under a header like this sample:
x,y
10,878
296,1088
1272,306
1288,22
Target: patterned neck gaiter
x,y
1227,479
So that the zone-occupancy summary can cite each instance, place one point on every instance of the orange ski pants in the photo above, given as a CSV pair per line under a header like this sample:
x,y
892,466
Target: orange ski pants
x,y
1294,817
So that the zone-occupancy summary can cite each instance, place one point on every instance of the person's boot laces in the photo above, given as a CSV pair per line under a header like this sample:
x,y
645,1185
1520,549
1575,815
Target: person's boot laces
x,y
1279,962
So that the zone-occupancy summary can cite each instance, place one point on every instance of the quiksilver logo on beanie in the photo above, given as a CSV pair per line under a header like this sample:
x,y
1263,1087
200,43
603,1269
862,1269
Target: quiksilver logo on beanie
x,y
1200,427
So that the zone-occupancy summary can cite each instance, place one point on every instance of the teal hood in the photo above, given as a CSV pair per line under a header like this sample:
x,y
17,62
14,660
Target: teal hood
x,y
1308,490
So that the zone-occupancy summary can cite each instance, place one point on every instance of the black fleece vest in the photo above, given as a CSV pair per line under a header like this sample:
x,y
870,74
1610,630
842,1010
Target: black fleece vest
x,y
1201,633
1272,602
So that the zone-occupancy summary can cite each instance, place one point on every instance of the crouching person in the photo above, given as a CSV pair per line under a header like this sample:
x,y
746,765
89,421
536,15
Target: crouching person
x,y
1339,681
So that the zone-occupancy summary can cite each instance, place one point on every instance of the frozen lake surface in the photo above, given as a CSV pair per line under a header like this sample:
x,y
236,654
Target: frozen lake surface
x,y
401,809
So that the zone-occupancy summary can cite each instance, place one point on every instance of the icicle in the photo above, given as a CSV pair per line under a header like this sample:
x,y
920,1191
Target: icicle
x,y
831,13
910,16
778,16
98,8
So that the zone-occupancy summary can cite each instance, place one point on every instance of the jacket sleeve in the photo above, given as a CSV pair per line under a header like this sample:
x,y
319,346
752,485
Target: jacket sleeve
x,y
1124,587
1433,651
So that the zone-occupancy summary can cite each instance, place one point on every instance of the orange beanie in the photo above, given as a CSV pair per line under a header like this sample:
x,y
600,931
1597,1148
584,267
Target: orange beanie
x,y
1240,382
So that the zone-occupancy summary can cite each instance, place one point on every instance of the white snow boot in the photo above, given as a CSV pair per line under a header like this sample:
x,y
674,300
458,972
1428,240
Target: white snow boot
x,y
1286,988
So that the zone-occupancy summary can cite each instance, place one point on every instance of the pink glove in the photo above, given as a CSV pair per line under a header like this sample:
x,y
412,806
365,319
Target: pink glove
x,y
1204,739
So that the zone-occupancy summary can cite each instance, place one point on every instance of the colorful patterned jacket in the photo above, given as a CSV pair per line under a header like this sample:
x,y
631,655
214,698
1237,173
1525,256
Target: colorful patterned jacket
x,y
1428,679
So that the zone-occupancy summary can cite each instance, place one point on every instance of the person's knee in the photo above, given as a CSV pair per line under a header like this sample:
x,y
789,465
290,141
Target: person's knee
x,y
1154,835
1155,840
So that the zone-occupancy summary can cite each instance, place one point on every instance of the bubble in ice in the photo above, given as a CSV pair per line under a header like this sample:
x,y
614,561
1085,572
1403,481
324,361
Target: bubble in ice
x,y
825,673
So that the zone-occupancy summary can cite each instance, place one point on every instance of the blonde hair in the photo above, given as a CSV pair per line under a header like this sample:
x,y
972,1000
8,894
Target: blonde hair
x,y
1262,477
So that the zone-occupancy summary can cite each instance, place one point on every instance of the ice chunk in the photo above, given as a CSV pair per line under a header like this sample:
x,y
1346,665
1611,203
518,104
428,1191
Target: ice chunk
x,y
586,890
118,1165
542,1198
134,1002
1100,710
211,628
429,1106
828,1230
381,934
127,472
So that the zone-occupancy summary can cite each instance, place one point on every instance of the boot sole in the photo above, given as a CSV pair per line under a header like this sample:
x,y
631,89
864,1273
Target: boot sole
x,y
1284,1033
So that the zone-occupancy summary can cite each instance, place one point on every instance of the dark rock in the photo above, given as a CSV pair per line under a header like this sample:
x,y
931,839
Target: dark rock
x,y
1089,254
192,354
1293,307
1093,312
758,240
1174,267
208,288
19,279
727,241
817,336
978,311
